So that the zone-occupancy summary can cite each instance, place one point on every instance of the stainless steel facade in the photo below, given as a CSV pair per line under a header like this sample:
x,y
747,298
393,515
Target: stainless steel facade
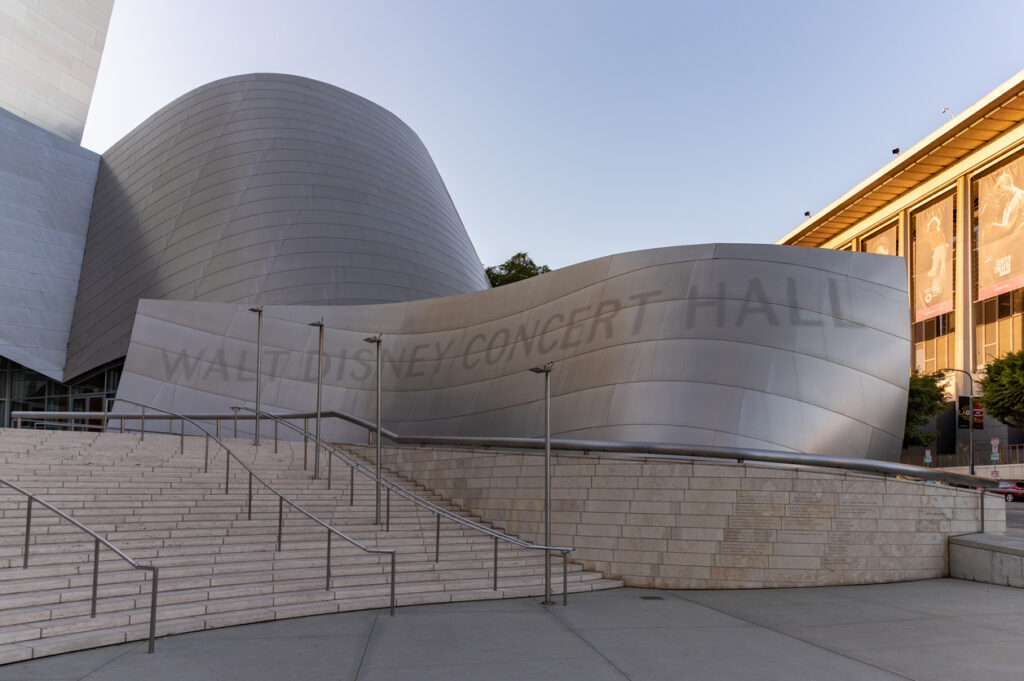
x,y
265,189
46,185
50,57
312,202
746,345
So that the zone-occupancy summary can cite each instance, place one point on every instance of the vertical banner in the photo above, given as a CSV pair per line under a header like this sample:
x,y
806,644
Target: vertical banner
x,y
963,412
882,243
1001,230
933,260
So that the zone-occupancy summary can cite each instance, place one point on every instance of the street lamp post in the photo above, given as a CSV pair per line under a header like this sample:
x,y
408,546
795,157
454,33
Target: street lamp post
x,y
970,416
259,354
546,370
319,393
376,342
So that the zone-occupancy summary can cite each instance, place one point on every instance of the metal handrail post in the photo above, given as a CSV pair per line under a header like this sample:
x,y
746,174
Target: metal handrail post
x,y
327,584
351,486
437,539
546,370
565,579
330,472
95,576
28,532
227,472
152,609
280,520
305,442
495,563
376,341
387,525
122,424
981,500
218,429
378,430
142,426
275,437
182,436
392,583
236,420
547,487
250,498
206,455
259,356
319,394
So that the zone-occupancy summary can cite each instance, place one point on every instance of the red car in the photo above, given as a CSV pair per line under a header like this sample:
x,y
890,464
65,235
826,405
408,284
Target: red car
x,y
1011,490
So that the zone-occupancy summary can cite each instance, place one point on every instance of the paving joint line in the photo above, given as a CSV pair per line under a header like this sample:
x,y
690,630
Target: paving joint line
x,y
795,638
366,648
131,648
551,611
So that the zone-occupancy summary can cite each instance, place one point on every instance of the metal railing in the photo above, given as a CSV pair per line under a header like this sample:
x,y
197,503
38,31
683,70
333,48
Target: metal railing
x,y
171,417
355,465
586,447
618,449
98,539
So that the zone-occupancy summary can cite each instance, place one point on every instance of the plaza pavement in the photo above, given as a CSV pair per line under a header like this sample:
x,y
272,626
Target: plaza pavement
x,y
933,630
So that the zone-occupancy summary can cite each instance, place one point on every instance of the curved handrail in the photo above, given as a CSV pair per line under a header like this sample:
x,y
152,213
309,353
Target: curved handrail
x,y
409,496
99,539
666,450
282,499
640,449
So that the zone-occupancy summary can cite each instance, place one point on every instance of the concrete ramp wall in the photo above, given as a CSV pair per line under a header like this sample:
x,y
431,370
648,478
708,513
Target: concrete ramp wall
x,y
711,526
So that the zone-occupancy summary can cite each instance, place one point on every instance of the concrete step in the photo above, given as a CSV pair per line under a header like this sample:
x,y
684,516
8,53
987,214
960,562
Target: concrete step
x,y
217,567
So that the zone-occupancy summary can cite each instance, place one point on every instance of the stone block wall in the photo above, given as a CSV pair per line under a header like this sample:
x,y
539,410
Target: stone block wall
x,y
694,525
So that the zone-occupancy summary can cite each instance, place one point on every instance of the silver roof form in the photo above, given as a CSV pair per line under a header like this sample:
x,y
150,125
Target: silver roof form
x,y
265,189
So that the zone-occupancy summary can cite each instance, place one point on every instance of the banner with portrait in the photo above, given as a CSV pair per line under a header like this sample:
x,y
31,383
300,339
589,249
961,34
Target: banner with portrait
x,y
882,243
1001,230
933,259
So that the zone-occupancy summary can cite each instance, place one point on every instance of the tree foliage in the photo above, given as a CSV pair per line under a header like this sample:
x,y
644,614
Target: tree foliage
x,y
1003,389
925,400
520,266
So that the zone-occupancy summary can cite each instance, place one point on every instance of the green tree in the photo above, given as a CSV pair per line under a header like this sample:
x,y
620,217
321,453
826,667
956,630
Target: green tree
x,y
1003,389
925,400
516,268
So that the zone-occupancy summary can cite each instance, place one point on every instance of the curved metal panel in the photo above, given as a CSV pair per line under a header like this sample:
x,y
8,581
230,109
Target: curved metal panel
x,y
771,347
46,185
50,57
265,189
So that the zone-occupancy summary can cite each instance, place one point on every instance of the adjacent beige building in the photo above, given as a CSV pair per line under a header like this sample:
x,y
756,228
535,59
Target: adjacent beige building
x,y
953,206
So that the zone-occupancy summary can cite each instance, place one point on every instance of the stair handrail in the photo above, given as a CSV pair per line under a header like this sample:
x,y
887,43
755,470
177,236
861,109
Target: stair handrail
x,y
409,496
654,450
282,499
99,539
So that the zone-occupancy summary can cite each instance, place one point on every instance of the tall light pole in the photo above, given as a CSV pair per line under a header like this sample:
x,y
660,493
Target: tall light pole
x,y
376,341
259,354
319,393
970,412
546,370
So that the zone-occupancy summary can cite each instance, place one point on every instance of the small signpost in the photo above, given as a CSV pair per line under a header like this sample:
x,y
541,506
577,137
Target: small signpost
x,y
927,457
995,450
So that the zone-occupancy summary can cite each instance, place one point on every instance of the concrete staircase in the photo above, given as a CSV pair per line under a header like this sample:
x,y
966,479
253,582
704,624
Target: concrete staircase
x,y
217,567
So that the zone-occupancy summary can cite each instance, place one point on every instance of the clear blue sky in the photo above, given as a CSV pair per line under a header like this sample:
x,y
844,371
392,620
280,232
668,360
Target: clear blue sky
x,y
574,129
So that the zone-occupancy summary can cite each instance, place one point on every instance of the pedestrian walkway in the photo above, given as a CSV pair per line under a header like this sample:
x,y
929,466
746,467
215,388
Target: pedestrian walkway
x,y
932,630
